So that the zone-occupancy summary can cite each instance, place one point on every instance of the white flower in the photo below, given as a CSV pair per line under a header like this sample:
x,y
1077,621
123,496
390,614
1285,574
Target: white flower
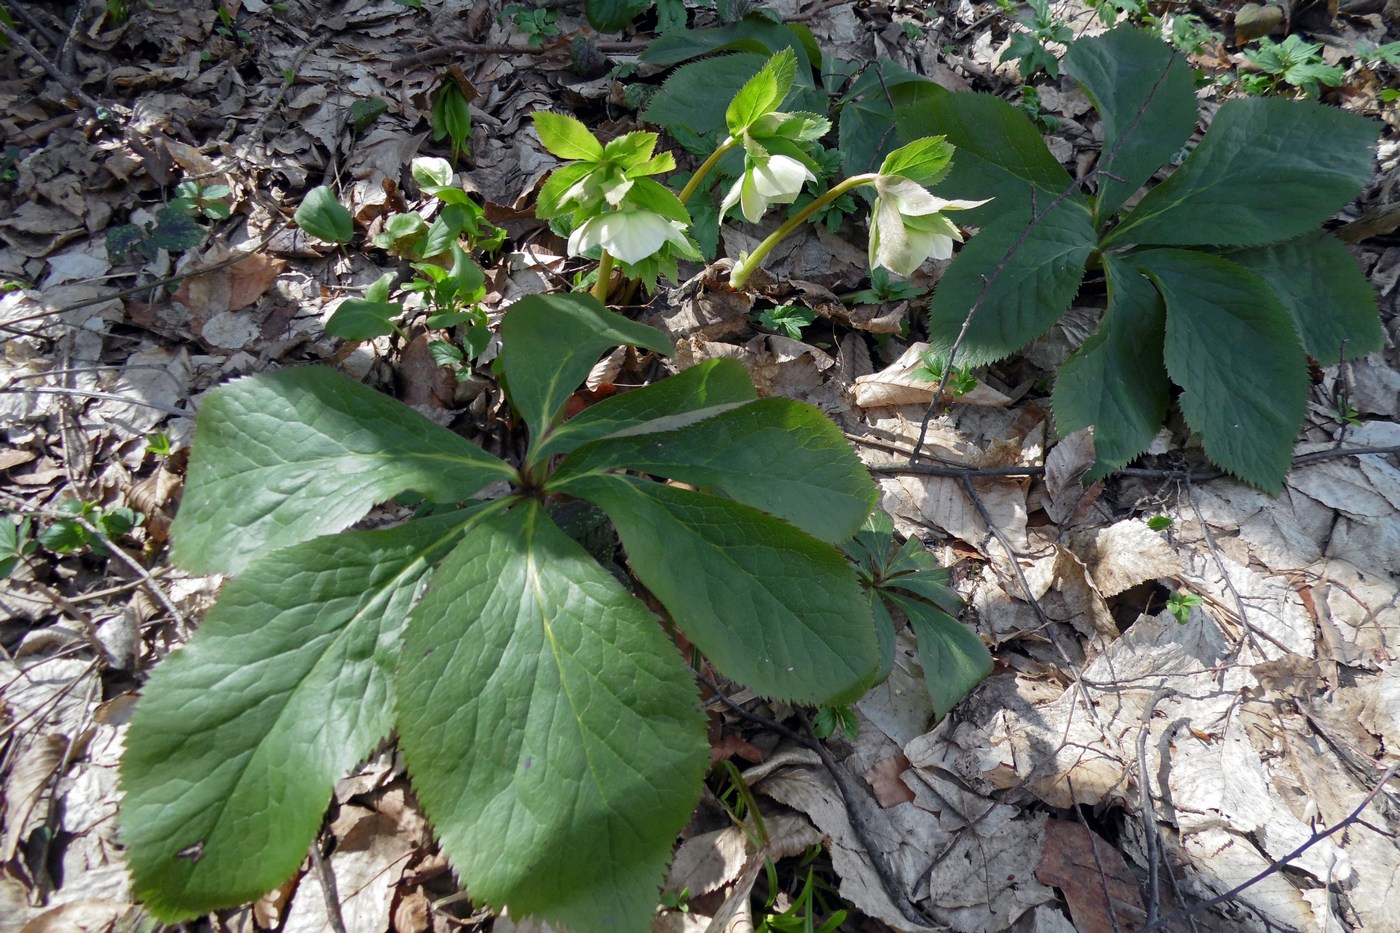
x,y
628,235
778,179
907,226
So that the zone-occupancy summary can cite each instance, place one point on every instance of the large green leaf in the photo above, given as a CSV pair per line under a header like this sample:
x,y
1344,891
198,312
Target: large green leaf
x,y
867,129
613,15
774,454
986,127
239,737
551,729
1332,303
700,392
283,457
552,341
1116,381
772,607
1267,170
1232,347
953,657
1019,278
696,95
1144,91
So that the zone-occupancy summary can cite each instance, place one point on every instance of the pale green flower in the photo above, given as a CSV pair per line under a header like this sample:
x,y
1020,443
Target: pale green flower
x,y
778,179
629,235
907,226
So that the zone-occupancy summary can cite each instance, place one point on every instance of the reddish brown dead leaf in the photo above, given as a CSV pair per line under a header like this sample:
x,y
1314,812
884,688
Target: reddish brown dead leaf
x,y
883,778
1097,883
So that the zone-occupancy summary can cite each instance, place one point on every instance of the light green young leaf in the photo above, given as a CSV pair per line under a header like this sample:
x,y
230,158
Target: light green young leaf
x,y
771,606
560,184
924,161
552,731
1232,347
553,341
239,738
431,172
1266,171
1040,268
566,137
632,150
763,93
1145,93
774,454
698,393
324,217
649,195
1332,303
954,659
334,449
1116,381
362,319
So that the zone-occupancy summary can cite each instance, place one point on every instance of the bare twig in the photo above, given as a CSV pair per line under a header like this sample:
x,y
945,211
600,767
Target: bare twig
x,y
1278,866
1098,862
102,111
1146,811
84,393
328,887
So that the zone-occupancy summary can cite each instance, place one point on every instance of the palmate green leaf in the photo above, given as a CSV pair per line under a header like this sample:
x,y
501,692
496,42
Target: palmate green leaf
x,y
550,202
763,93
774,454
867,129
953,657
552,731
700,392
1232,347
1267,170
282,457
1332,303
914,570
566,137
771,606
1116,381
697,95
239,738
1023,276
1145,93
552,342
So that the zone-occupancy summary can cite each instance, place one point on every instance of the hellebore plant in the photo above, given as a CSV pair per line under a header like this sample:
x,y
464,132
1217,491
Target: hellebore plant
x,y
619,212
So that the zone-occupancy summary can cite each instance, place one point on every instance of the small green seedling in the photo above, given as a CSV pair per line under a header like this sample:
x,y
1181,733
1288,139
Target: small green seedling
x,y
1028,46
832,719
933,367
885,290
1160,522
452,114
787,320
536,24
323,216
206,200
1180,604
16,542
1291,63
159,444
64,536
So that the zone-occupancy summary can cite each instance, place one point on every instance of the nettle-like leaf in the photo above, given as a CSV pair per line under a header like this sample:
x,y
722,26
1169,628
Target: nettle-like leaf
x,y
551,728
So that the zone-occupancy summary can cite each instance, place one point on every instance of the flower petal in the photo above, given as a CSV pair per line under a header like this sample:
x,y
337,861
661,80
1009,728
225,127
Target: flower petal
x,y
781,178
633,235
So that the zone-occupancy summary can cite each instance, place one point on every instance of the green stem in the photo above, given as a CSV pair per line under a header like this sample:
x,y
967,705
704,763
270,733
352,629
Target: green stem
x,y
745,268
600,287
704,169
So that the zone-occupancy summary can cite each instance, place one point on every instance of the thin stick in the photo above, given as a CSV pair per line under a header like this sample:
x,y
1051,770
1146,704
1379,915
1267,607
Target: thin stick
x,y
328,888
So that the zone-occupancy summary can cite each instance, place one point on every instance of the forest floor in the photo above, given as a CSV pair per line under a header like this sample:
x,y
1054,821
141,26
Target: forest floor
x,y
1120,764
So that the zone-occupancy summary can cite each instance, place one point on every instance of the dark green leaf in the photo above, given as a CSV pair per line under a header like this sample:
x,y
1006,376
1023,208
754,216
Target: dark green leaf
x,y
953,657
774,454
1332,303
613,15
553,341
1116,381
1145,93
1232,347
697,95
695,394
64,536
1019,278
771,606
239,738
1266,171
867,128
358,319
283,457
324,217
552,731
175,231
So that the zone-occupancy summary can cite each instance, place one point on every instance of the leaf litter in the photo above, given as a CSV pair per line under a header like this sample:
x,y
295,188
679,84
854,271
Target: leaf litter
x,y
1118,767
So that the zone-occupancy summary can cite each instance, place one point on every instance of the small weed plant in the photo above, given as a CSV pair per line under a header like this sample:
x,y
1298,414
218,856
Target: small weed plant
x,y
1216,283
1289,67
